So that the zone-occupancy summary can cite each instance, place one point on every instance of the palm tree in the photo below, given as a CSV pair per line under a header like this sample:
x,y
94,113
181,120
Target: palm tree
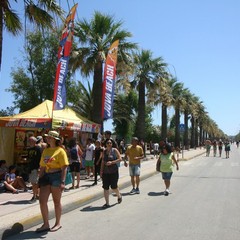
x,y
186,110
147,71
124,114
84,104
38,13
95,38
161,93
178,102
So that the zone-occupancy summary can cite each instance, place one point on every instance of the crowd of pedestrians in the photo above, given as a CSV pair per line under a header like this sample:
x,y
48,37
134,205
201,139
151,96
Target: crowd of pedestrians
x,y
218,145
52,158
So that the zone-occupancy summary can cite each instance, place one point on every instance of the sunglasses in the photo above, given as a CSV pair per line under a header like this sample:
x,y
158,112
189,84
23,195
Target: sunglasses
x,y
109,142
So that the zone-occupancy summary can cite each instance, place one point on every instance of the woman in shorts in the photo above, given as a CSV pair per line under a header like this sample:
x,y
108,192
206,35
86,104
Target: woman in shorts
x,y
52,175
167,160
109,171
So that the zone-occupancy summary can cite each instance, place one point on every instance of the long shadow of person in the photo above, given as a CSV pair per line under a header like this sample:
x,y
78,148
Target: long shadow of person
x,y
155,194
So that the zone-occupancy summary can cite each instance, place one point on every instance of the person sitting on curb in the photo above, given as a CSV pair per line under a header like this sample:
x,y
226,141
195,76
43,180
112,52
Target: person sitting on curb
x,y
12,182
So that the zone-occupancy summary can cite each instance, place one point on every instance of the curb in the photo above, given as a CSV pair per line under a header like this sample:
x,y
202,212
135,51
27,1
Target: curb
x,y
67,205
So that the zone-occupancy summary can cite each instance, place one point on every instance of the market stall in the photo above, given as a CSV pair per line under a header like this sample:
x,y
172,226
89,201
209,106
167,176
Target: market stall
x,y
15,130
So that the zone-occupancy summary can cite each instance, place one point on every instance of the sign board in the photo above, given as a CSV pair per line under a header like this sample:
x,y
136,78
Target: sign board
x,y
181,127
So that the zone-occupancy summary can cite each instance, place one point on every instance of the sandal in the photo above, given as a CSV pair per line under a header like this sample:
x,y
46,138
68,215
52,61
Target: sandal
x,y
105,206
72,188
42,229
120,199
56,228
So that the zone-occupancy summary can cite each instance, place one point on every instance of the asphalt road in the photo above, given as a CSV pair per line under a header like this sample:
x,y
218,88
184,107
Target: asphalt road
x,y
204,204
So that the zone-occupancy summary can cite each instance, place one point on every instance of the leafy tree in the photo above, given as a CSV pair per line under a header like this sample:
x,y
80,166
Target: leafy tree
x,y
124,114
37,12
9,111
81,97
34,82
95,37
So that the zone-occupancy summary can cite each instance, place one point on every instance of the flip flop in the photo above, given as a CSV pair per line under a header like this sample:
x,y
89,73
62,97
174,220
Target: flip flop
x,y
120,200
41,230
54,229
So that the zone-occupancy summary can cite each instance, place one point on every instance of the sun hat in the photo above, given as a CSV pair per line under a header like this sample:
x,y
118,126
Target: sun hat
x,y
33,139
39,138
53,134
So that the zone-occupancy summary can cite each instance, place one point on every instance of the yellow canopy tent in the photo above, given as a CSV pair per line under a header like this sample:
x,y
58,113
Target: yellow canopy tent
x,y
39,117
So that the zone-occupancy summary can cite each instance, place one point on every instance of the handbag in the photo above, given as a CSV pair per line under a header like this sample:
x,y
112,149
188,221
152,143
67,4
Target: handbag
x,y
158,165
68,179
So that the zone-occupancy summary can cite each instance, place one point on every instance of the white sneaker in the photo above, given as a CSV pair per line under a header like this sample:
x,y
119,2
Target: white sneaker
x,y
166,193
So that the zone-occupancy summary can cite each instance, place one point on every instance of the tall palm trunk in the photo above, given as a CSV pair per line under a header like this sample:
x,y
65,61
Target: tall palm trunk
x,y
164,122
196,133
201,134
185,138
1,35
177,123
140,125
97,94
192,132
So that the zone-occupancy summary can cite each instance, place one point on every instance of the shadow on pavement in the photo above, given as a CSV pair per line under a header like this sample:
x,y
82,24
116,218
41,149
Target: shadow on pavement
x,y
16,202
28,235
155,194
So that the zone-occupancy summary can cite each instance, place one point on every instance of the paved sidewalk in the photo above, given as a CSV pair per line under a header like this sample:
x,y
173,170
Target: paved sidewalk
x,y
16,214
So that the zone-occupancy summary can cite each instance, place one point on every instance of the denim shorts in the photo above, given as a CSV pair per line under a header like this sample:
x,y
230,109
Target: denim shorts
x,y
55,179
52,179
134,170
166,175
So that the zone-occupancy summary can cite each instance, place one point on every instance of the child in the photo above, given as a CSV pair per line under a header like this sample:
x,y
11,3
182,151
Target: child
x,y
13,182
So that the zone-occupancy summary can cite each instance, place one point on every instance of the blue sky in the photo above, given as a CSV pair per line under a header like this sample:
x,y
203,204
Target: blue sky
x,y
199,39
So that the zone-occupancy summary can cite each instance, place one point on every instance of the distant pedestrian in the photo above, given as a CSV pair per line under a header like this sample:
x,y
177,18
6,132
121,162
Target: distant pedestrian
x,y
227,148
34,156
220,146
108,135
109,171
134,154
214,148
98,155
156,149
89,154
208,147
167,160
74,153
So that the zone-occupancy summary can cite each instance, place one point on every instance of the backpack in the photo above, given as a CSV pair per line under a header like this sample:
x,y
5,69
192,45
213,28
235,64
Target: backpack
x,y
74,153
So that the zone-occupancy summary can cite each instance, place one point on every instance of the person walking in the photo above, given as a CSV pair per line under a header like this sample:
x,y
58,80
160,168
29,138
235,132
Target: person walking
x,y
166,168
134,154
220,146
98,154
34,156
89,154
109,171
208,147
75,153
52,175
214,148
227,148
